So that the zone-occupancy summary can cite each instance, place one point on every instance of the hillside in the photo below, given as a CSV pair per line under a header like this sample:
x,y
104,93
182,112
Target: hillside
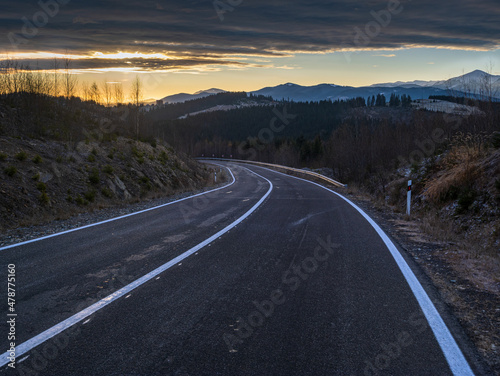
x,y
453,232
68,161
457,195
174,110
183,97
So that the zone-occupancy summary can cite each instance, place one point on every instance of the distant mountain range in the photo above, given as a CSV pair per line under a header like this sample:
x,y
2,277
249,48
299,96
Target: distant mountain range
x,y
183,97
470,83
325,92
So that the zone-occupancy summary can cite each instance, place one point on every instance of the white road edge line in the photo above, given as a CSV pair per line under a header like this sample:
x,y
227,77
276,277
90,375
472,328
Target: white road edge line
x,y
116,218
24,347
454,356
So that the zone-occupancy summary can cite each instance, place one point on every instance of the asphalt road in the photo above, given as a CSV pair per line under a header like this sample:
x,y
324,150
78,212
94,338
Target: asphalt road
x,y
303,285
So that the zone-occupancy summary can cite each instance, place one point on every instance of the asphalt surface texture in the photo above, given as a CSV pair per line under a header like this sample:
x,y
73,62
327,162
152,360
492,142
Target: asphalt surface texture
x,y
302,286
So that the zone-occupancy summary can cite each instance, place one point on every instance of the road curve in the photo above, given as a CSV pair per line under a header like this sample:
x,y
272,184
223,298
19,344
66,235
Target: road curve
x,y
303,284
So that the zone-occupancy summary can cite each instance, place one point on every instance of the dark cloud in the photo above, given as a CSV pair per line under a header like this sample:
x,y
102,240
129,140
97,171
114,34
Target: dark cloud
x,y
83,21
135,63
193,29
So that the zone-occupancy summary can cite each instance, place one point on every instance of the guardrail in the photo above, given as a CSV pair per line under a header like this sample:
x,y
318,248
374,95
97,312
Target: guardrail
x,y
286,169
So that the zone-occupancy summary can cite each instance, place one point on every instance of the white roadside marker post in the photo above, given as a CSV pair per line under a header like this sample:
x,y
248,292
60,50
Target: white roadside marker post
x,y
408,206
215,176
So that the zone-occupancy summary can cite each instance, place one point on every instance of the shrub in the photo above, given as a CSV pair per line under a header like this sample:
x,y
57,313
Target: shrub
x,y
3,157
91,158
110,155
36,177
72,159
163,157
41,186
69,198
44,198
465,200
90,195
94,176
37,159
10,171
80,201
108,169
136,152
106,192
146,182
21,156
495,140
59,159
451,194
94,151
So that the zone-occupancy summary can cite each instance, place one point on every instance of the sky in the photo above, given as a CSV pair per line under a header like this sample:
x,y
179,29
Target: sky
x,y
244,45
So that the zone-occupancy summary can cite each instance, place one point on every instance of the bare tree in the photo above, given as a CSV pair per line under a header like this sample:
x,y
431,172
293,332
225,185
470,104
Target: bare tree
x,y
70,80
487,88
107,93
3,78
85,91
136,95
95,93
118,93
136,91
39,81
55,87
12,76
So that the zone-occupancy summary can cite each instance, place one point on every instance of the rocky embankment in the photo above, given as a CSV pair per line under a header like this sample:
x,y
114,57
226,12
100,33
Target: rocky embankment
x,y
45,180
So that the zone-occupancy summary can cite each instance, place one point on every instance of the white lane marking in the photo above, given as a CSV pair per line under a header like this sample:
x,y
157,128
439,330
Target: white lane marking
x,y
24,347
117,218
454,356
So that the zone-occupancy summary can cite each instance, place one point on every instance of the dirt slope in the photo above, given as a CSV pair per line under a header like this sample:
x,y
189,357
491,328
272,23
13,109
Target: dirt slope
x,y
42,180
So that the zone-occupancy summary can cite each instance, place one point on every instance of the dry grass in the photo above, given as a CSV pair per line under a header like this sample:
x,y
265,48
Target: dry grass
x,y
461,168
437,228
355,189
482,271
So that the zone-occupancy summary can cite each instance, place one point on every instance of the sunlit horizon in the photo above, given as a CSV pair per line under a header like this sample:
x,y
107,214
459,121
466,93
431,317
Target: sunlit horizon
x,y
186,48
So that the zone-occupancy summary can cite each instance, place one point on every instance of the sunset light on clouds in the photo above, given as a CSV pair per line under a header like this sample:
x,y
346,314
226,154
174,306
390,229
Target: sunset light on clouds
x,y
192,45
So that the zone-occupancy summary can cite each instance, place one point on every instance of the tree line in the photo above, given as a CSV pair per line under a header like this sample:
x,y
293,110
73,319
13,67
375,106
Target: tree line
x,y
17,78
395,100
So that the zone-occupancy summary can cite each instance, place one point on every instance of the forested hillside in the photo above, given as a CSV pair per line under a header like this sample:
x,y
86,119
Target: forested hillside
x,y
360,143
222,132
174,110
60,157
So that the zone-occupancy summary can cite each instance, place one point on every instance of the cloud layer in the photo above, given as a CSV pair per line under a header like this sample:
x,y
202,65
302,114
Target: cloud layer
x,y
206,33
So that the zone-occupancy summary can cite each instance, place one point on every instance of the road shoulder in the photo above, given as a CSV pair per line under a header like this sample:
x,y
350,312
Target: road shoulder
x,y
469,311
